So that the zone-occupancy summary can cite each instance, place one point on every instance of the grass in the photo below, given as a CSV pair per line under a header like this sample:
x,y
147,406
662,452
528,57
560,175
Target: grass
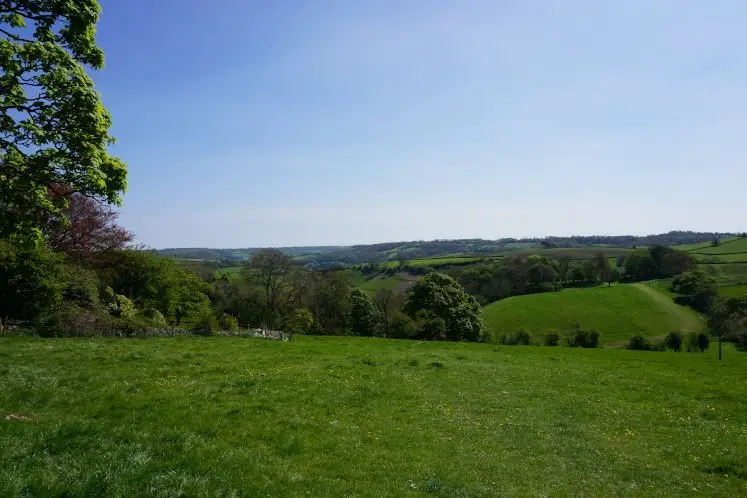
x,y
617,312
231,271
733,290
396,283
727,273
366,417
727,246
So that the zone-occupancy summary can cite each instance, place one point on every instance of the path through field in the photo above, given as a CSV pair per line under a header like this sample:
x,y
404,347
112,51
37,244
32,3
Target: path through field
x,y
689,320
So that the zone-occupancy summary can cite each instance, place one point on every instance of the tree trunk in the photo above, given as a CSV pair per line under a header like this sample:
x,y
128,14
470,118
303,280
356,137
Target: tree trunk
x,y
719,347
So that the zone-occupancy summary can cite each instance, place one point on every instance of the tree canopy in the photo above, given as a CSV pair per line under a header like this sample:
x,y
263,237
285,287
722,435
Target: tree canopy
x,y
439,299
54,129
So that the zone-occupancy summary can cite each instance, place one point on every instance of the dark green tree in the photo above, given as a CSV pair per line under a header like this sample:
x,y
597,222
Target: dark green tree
x,y
639,265
364,317
32,281
673,341
727,318
444,298
54,130
696,289
603,267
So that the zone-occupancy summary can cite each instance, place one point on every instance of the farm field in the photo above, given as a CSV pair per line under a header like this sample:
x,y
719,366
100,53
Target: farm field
x,y
730,246
616,312
396,282
231,271
365,417
733,290
726,273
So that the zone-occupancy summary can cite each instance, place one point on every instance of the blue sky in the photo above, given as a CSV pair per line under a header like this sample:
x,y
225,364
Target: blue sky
x,y
259,123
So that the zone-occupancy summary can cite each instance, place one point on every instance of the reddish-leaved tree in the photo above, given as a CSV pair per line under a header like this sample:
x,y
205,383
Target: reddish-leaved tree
x,y
91,229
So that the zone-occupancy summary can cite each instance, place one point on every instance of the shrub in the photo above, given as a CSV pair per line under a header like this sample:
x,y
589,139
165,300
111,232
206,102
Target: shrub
x,y
658,345
508,340
704,341
673,341
155,318
228,322
697,342
581,338
691,342
121,307
523,338
206,323
300,322
639,343
401,326
552,339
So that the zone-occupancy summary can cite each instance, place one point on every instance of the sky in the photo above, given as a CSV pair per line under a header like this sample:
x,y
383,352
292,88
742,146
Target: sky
x,y
251,123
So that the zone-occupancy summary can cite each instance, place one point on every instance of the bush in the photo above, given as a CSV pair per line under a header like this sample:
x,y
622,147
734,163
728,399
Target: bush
x,y
508,340
401,326
300,322
673,341
581,338
206,323
552,339
704,342
121,307
697,342
228,322
523,338
691,342
154,317
658,345
639,343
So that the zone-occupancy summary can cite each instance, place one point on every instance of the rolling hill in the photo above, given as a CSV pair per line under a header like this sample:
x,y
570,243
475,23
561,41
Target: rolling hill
x,y
616,312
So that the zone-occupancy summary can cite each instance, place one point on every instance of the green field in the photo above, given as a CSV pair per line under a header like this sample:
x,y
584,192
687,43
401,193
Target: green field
x,y
727,273
733,290
357,417
396,283
616,312
231,271
727,246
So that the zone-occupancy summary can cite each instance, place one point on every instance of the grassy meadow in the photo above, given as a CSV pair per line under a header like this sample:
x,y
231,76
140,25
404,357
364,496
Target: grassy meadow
x,y
617,312
366,417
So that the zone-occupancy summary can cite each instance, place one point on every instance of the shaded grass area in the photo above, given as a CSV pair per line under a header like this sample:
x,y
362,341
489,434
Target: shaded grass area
x,y
366,417
616,312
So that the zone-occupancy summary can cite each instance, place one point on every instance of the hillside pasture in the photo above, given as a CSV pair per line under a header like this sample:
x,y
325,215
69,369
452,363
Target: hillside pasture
x,y
616,312
726,273
727,246
396,283
366,417
733,290
231,271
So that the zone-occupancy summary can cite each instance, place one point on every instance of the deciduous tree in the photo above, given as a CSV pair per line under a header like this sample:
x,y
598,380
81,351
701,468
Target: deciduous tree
x,y
91,228
53,126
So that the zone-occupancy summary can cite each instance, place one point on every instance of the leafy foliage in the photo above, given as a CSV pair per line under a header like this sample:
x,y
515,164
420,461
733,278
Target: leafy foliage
x,y
54,129
696,288
364,317
673,341
552,339
638,343
582,338
31,280
441,296
301,321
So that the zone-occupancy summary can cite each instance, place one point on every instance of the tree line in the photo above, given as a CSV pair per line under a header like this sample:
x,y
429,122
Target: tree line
x,y
515,275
